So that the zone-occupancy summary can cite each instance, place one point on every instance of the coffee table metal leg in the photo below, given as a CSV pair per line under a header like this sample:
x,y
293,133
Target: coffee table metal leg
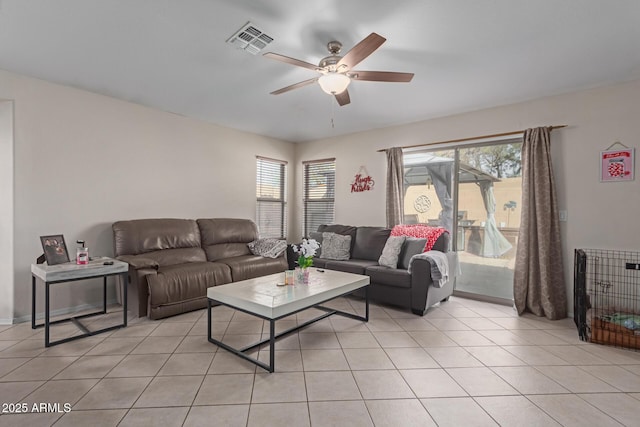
x,y
272,345
366,302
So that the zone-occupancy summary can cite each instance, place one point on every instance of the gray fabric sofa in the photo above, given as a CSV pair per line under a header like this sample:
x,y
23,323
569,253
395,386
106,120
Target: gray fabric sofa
x,y
394,286
172,262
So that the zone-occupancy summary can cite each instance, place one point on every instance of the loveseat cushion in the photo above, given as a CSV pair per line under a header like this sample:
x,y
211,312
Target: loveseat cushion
x,y
370,242
356,266
389,276
185,281
249,266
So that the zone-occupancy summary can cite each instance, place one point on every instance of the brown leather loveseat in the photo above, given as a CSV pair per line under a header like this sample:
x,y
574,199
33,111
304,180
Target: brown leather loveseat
x,y
172,262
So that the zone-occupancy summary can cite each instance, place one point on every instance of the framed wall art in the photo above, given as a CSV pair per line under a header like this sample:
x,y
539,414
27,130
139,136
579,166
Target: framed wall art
x,y
55,249
617,165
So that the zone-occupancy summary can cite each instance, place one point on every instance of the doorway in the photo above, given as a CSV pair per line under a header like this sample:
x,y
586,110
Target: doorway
x,y
474,191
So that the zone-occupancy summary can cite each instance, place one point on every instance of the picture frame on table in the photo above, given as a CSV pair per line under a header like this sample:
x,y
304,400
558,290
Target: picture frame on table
x,y
55,249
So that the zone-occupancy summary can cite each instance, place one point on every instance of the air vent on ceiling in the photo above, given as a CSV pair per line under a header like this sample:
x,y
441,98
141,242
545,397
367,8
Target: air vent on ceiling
x,y
250,39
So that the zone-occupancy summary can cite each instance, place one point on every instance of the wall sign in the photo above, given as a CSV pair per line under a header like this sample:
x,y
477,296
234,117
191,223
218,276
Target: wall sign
x,y
617,165
362,181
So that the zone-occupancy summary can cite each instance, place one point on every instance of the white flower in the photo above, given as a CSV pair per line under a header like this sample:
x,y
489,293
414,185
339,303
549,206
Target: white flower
x,y
308,248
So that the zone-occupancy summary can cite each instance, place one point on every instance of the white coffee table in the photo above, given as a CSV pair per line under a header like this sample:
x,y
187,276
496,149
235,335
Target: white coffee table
x,y
263,298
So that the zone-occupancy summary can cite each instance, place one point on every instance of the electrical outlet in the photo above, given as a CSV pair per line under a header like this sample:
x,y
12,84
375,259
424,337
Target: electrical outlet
x,y
563,216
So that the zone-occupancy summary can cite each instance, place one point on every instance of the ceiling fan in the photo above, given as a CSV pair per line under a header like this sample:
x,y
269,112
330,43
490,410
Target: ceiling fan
x,y
337,71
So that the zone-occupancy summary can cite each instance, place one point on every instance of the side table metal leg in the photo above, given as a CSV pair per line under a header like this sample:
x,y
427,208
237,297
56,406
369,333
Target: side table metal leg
x,y
124,297
209,319
46,315
33,302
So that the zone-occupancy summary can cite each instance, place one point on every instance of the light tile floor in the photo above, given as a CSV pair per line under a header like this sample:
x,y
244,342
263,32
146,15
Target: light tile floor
x,y
466,363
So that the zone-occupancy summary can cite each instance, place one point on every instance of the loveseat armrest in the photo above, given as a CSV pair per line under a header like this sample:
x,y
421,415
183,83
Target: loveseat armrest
x,y
138,262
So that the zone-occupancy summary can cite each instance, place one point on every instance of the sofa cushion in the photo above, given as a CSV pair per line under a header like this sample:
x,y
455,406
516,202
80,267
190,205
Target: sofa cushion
x,y
227,230
184,282
320,262
369,242
227,237
356,266
336,246
389,276
412,246
140,236
442,244
249,266
391,251
270,248
344,230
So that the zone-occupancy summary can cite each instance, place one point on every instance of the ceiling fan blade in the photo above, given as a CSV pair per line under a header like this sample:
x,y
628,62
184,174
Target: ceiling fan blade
x,y
380,76
360,51
291,61
295,86
343,98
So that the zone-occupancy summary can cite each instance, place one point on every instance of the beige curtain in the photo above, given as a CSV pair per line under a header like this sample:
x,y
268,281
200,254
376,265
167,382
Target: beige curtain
x,y
395,187
538,284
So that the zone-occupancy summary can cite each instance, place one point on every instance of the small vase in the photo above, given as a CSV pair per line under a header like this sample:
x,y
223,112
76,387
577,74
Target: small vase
x,y
302,276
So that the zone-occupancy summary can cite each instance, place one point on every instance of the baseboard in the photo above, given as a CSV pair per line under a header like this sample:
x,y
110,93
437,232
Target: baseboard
x,y
59,312
484,298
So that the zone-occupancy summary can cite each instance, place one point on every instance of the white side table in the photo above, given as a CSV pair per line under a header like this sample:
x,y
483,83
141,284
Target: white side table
x,y
70,272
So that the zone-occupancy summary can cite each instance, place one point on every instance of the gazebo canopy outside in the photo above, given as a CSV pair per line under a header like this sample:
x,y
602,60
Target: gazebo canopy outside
x,y
423,168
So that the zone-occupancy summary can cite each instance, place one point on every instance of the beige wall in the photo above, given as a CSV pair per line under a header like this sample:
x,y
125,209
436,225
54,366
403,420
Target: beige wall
x,y
6,211
600,215
83,161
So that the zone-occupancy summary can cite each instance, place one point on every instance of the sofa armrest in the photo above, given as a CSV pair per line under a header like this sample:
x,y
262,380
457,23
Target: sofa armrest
x,y
420,283
139,262
423,292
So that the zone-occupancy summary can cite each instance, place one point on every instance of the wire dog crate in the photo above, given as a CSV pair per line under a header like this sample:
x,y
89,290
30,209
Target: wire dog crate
x,y
607,297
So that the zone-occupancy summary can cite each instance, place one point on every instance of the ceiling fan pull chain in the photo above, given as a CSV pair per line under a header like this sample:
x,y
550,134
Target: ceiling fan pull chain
x,y
333,111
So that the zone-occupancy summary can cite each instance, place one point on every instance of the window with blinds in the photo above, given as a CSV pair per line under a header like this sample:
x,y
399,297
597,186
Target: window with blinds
x,y
271,206
319,194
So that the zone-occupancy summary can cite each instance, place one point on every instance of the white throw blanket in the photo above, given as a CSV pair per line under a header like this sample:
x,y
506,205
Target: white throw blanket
x,y
439,266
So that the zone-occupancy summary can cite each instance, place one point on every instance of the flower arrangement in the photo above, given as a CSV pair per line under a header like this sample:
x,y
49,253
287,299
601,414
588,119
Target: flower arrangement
x,y
306,251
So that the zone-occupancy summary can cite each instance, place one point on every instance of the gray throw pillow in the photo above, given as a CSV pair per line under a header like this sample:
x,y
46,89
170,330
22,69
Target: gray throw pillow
x,y
391,251
269,248
336,246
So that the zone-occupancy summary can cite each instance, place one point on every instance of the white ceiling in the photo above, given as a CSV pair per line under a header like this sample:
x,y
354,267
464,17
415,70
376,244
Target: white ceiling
x,y
466,55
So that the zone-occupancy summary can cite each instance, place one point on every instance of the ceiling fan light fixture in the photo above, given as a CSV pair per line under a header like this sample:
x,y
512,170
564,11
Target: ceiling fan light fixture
x,y
334,83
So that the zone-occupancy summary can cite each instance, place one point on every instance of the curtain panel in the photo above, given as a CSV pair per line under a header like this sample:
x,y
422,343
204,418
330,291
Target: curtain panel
x,y
395,187
539,285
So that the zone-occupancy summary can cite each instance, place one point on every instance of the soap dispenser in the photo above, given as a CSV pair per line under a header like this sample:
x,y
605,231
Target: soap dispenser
x,y
82,253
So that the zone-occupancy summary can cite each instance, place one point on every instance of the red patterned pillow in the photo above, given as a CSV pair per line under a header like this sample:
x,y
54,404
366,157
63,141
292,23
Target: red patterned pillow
x,y
420,231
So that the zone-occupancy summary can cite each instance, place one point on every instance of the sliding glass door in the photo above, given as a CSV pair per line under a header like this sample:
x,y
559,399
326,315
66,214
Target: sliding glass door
x,y
473,191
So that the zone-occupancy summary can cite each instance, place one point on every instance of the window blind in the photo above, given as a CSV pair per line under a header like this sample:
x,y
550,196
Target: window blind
x,y
271,206
319,194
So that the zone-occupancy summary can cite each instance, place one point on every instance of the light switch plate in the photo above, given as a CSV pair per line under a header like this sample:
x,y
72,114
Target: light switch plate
x,y
563,215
